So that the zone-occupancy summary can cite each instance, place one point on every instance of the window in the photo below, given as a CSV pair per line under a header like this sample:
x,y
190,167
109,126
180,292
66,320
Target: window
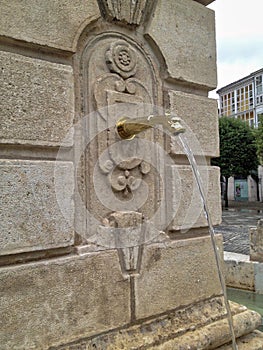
x,y
228,104
232,102
259,85
250,88
238,100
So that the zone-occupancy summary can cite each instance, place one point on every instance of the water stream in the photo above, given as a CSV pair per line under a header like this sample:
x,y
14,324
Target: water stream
x,y
197,176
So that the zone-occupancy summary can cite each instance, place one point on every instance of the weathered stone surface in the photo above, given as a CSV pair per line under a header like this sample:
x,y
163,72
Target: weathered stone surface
x,y
122,175
184,197
37,101
258,277
188,326
53,23
185,34
169,270
242,273
256,242
252,341
30,216
47,303
239,271
214,334
126,11
201,117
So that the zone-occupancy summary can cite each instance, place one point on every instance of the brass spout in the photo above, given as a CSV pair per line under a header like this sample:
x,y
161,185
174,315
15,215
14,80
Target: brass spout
x,y
127,128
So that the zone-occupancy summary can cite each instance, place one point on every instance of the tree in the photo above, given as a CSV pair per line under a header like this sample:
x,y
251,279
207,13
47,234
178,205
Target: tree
x,y
259,139
238,152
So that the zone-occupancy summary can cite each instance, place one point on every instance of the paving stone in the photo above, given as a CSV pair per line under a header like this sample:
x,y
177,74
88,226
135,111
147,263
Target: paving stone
x,y
235,227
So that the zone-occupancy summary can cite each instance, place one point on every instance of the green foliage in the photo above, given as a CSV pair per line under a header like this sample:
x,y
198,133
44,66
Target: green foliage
x,y
259,139
238,152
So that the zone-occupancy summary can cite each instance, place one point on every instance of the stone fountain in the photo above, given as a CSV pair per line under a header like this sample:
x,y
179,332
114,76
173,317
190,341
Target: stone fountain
x,y
103,241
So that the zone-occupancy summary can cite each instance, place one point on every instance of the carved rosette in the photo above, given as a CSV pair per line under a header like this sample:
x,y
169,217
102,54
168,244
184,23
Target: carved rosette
x,y
121,59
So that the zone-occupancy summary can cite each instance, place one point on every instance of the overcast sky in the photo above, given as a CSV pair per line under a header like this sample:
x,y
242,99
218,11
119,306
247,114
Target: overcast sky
x,y
239,33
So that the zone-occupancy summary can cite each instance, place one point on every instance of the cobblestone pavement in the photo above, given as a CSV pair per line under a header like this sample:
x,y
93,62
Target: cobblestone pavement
x,y
235,226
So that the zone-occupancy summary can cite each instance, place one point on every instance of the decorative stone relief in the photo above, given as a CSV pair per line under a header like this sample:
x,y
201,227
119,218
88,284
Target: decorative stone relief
x,y
125,11
124,164
122,59
119,80
129,256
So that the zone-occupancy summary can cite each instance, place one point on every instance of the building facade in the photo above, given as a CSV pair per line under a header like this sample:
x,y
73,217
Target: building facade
x,y
243,98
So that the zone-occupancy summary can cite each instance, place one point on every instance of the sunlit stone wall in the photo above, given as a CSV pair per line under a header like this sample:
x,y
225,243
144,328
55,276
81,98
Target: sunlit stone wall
x,y
59,284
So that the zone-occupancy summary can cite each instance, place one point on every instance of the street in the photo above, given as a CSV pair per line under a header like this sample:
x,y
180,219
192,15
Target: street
x,y
236,221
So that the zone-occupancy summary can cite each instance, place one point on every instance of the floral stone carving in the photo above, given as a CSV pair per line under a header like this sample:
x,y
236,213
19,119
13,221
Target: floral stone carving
x,y
118,80
121,59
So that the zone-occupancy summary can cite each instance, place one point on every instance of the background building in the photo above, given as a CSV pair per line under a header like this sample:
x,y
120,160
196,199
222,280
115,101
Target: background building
x,y
243,98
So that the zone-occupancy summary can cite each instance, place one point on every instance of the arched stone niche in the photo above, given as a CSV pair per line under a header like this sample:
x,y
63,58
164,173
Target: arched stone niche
x,y
119,182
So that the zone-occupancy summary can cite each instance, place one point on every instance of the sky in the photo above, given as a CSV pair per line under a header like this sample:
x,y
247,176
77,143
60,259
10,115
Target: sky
x,y
239,36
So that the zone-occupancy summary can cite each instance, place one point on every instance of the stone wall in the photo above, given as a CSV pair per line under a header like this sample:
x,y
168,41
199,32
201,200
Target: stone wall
x,y
78,257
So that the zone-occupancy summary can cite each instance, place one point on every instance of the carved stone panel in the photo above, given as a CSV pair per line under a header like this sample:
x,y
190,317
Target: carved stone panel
x,y
118,80
125,11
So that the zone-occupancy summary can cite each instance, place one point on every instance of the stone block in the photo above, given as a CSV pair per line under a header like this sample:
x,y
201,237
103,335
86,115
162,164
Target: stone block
x,y
51,23
184,32
251,341
200,324
30,215
185,204
239,271
175,274
258,277
216,334
37,101
200,116
48,303
256,242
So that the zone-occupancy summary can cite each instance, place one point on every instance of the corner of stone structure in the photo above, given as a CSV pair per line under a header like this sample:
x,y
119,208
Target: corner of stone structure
x,y
104,242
